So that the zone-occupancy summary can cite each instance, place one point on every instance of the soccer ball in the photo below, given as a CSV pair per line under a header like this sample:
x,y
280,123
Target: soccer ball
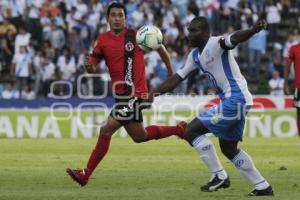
x,y
149,38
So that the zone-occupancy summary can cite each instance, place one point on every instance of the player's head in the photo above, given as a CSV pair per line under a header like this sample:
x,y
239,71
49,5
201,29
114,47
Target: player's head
x,y
199,31
116,15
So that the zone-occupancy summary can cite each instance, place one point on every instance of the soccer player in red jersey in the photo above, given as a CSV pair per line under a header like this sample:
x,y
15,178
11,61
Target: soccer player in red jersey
x,y
294,57
125,61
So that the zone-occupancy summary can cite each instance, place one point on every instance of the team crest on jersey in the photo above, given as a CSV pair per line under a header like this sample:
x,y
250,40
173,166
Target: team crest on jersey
x,y
129,46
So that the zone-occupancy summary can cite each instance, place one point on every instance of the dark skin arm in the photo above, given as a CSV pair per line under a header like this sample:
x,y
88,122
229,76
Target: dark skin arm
x,y
243,35
170,84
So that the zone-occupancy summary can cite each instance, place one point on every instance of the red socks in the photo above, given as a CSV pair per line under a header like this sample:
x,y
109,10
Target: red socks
x,y
98,153
298,124
158,132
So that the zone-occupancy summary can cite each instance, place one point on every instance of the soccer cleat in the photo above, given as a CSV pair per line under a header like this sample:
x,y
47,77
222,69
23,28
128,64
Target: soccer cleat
x,y
182,125
215,183
78,175
266,192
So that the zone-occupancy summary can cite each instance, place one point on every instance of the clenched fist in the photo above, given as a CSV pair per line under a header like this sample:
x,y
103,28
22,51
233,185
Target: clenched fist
x,y
259,25
89,66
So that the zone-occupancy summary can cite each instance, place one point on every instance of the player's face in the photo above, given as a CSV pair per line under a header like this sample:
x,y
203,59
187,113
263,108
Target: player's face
x,y
196,35
116,19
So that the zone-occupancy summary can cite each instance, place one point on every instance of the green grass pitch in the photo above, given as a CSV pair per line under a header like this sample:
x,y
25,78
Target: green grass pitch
x,y
34,169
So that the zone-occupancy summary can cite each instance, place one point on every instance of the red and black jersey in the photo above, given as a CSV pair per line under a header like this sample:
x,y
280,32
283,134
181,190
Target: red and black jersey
x,y
112,49
294,57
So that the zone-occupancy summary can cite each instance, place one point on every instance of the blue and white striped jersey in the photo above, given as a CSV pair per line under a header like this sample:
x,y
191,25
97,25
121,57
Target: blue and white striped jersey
x,y
221,68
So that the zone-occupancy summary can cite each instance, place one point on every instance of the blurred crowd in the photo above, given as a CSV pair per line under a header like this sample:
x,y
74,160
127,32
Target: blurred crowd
x,y
44,42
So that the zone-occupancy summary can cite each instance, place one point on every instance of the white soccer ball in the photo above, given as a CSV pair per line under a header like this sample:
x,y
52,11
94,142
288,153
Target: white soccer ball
x,y
149,38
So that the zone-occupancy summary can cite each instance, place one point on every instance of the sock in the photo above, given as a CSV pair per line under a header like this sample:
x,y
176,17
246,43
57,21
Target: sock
x,y
158,132
298,125
207,153
98,153
245,165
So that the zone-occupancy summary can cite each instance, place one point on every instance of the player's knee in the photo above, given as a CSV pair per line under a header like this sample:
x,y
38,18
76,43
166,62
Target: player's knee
x,y
229,152
191,136
107,130
139,139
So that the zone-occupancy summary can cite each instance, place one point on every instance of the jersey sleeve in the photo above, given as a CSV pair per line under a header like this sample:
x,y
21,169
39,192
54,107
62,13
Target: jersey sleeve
x,y
96,54
189,67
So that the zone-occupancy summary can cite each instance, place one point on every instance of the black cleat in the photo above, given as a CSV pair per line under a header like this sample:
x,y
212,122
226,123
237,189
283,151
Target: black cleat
x,y
266,192
215,183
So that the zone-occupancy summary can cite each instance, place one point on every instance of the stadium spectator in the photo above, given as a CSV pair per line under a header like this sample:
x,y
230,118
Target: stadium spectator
x,y
5,26
16,10
74,42
257,47
22,38
292,39
276,84
48,74
8,49
45,22
85,32
81,9
273,10
28,93
294,57
37,61
130,88
275,64
177,63
49,8
85,86
57,38
154,81
33,21
227,119
66,65
22,68
71,20
9,92
93,19
138,16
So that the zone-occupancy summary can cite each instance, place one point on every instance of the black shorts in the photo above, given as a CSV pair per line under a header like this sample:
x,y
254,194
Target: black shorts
x,y
297,98
128,109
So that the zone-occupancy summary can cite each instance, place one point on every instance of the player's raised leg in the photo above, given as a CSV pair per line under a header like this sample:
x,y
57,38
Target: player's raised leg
x,y
81,176
206,150
139,134
246,167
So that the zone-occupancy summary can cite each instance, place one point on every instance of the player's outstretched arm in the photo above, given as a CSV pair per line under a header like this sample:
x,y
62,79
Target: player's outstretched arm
x,y
243,35
167,86
165,56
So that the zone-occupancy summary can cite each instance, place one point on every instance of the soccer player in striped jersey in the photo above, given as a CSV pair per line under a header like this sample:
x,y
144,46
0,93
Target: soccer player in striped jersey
x,y
212,56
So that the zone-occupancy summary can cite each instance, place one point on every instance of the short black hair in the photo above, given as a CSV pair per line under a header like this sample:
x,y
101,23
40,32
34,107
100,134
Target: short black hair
x,y
202,23
115,5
